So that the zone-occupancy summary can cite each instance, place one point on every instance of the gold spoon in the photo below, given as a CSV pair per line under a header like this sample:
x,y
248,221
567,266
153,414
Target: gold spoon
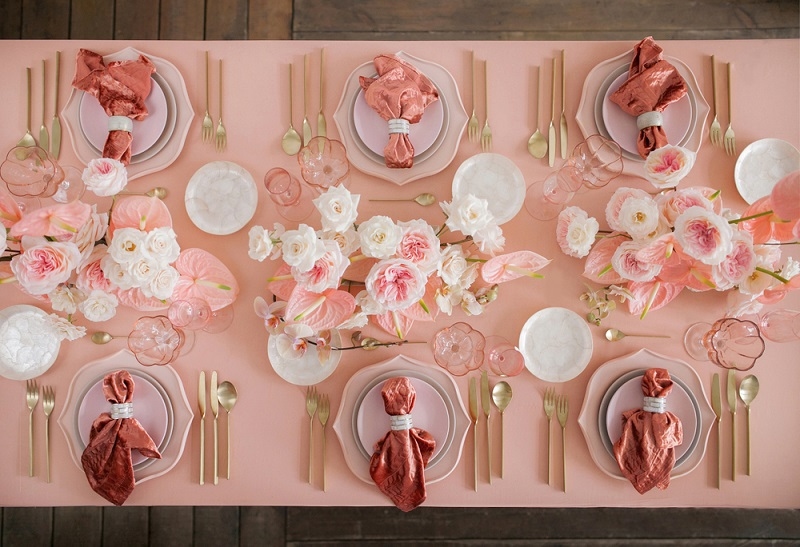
x,y
291,142
748,390
322,125
44,136
159,192
537,144
306,123
424,199
102,337
227,396
501,395
615,335
27,139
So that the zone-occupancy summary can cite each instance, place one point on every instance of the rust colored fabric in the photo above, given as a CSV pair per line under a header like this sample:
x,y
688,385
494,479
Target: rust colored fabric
x,y
646,450
652,85
398,462
121,89
107,458
399,92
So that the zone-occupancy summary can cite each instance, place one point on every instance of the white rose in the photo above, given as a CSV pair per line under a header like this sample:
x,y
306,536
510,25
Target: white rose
x,y
99,306
105,176
639,217
379,237
454,269
338,208
91,231
65,298
142,271
3,242
348,240
490,239
115,273
259,243
302,248
127,245
467,214
162,244
576,231
163,283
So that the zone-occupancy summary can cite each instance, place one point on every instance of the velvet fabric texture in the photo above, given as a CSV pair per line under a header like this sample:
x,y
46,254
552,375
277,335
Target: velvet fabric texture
x,y
121,88
652,85
399,92
646,450
107,458
398,462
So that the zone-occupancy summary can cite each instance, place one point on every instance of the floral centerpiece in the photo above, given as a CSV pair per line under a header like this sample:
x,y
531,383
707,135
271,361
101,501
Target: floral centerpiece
x,y
407,270
680,239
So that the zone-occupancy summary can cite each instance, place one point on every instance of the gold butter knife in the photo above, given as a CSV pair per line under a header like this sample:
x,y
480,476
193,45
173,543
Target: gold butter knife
x,y
563,106
55,129
551,132
473,414
322,125
732,404
201,404
306,124
716,404
44,137
215,410
487,407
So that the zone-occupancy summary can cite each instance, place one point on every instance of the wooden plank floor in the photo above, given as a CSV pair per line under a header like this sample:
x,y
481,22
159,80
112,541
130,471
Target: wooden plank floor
x,y
393,20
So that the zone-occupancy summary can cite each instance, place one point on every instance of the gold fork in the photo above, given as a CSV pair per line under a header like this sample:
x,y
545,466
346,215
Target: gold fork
x,y
549,408
486,134
715,131
208,125
32,398
730,138
48,404
563,413
473,128
222,135
311,408
323,412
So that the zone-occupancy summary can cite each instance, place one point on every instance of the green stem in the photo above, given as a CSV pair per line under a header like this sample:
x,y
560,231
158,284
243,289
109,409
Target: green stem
x,y
750,217
776,275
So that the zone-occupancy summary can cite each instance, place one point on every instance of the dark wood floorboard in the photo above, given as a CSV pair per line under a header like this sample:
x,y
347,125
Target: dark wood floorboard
x,y
393,20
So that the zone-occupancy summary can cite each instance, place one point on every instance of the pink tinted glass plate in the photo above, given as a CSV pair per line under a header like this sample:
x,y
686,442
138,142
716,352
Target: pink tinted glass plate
x,y
429,413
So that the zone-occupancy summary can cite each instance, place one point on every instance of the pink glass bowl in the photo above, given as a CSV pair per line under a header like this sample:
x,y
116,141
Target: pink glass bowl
x,y
459,349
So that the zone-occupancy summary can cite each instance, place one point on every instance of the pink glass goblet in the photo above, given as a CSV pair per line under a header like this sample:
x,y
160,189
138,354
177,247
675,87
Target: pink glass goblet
x,y
781,325
29,171
596,161
734,343
544,200
155,340
693,341
502,357
192,313
292,201
71,188
323,163
220,320
459,349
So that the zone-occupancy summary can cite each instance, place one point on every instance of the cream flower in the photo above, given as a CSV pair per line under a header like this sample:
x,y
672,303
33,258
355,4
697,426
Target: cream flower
x,y
65,298
638,216
338,208
704,235
379,237
127,245
326,271
99,306
467,214
620,196
260,244
348,240
454,269
105,176
576,231
420,245
162,244
162,283
665,167
301,247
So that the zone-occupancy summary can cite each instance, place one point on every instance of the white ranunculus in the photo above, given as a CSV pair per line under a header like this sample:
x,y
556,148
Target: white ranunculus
x,y
467,214
65,298
379,237
639,217
338,208
259,243
302,248
127,245
99,306
162,283
105,176
162,244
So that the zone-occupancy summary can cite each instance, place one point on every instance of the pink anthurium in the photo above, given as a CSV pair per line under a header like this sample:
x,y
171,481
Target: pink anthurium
x,y
320,311
395,323
204,276
282,283
650,295
10,212
134,298
54,220
140,212
513,266
766,225
598,262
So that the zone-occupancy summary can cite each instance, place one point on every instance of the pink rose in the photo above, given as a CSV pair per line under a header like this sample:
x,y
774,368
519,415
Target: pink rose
x,y
618,199
395,284
44,264
739,263
419,245
90,274
627,264
327,270
666,166
105,176
673,204
704,235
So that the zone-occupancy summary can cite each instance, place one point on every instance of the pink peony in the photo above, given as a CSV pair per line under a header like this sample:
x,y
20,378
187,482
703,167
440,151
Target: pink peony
x,y
739,263
673,204
44,264
627,264
327,270
395,283
90,274
704,235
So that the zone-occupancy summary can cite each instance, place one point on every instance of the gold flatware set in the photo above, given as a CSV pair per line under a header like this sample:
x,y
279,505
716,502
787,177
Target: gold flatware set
x,y
207,132
48,404
292,141
317,404
558,405
49,141
747,390
218,394
500,396
474,131
728,139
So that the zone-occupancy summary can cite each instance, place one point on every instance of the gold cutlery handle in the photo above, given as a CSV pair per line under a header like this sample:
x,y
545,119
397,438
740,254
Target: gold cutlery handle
x,y
719,453
730,99
549,450
30,441
502,447
486,96
202,450
748,441
733,446
220,98
474,85
311,450
44,89
47,444
714,83
553,94
58,74
208,102
324,474
28,70
475,451
489,448
216,452
564,455
228,458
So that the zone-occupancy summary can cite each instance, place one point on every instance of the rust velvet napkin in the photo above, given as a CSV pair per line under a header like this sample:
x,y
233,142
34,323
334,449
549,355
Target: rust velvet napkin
x,y
400,92
121,88
646,450
398,462
652,85
107,457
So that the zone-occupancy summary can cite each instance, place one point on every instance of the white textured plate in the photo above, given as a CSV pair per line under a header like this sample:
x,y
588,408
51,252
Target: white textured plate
x,y
495,178
761,165
221,198
307,370
556,343
36,318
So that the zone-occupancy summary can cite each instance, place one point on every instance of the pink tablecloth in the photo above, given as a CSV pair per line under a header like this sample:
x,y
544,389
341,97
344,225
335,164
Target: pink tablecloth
x,y
270,437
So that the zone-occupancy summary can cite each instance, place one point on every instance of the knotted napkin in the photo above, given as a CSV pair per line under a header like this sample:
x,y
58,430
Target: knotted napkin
x,y
121,89
400,95
398,462
646,450
107,458
652,85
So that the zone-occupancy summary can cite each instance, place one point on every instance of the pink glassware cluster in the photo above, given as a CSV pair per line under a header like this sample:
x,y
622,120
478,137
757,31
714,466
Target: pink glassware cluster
x,y
156,341
291,199
780,325
460,349
730,343
31,172
323,162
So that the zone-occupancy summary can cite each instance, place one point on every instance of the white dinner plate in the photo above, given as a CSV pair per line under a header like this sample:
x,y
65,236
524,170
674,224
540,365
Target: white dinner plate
x,y
556,343
495,178
761,165
221,197
307,370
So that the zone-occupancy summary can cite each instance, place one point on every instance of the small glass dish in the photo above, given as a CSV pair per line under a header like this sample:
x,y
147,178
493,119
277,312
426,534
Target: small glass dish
x,y
155,340
323,163
459,349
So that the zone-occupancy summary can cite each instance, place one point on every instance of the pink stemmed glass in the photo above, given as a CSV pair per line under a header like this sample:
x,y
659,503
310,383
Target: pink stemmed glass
x,y
595,162
192,313
734,343
459,349
291,200
220,320
29,171
155,340
545,199
502,357
781,325
323,162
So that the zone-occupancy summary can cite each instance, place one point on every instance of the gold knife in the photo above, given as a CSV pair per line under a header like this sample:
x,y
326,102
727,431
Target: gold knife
x,y
473,414
487,407
306,124
322,125
563,107
732,405
44,137
551,132
201,404
215,410
716,403
55,132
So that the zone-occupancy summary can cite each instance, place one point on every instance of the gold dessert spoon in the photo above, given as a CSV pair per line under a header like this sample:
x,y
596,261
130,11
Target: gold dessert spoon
x,y
615,335
423,199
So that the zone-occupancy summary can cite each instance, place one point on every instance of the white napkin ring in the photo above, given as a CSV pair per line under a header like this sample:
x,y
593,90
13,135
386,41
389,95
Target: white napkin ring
x,y
655,404
121,410
120,123
402,422
399,125
649,119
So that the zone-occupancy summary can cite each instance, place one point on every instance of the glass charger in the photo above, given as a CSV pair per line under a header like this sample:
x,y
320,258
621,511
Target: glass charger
x,y
221,198
165,376
607,373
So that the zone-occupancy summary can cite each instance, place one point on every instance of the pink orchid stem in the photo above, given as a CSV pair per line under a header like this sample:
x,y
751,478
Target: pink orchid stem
x,y
314,305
